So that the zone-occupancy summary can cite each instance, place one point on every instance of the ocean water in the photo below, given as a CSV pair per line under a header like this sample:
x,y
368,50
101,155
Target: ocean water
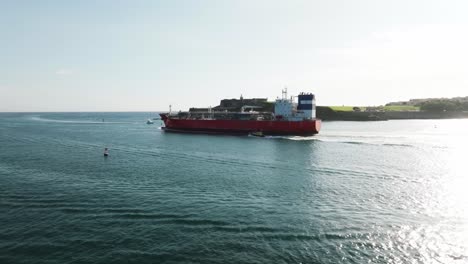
x,y
359,192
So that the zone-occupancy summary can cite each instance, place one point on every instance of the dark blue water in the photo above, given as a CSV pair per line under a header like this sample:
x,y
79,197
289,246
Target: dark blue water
x,y
378,192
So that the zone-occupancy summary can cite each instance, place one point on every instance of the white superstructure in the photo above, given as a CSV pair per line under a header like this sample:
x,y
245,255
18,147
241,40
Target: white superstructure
x,y
287,109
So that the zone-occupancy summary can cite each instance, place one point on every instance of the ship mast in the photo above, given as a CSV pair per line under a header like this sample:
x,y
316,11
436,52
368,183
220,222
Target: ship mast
x,y
284,93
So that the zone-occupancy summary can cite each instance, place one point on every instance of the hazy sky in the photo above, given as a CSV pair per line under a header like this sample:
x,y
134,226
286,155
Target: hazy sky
x,y
144,55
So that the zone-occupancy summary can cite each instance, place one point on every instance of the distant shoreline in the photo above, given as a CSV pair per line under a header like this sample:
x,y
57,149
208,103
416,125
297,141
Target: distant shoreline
x,y
51,112
328,114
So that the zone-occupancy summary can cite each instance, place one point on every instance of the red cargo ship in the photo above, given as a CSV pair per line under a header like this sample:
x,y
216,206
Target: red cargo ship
x,y
288,118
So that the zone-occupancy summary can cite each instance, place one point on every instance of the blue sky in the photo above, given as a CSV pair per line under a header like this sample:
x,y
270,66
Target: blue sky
x,y
144,55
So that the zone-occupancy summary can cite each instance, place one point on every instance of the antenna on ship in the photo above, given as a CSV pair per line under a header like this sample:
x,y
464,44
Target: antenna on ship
x,y
170,109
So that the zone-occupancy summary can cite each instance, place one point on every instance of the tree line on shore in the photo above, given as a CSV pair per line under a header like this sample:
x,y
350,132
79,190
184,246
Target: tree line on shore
x,y
438,104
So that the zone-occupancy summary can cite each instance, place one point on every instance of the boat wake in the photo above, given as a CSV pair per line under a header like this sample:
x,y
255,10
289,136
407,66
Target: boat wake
x,y
293,138
40,119
377,140
349,139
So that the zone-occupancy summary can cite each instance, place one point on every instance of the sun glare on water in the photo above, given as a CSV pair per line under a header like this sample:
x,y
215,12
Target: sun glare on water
x,y
450,193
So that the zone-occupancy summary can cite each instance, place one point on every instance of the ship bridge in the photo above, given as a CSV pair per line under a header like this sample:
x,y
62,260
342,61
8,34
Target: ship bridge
x,y
303,109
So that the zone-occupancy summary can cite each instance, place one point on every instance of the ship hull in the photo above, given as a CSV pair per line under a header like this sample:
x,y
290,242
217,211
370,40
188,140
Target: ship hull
x,y
300,128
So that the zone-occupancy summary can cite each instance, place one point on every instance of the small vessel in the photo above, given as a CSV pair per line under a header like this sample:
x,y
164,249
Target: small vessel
x,y
285,116
149,122
257,134
106,152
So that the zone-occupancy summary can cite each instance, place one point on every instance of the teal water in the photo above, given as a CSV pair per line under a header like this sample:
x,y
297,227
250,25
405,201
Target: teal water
x,y
377,192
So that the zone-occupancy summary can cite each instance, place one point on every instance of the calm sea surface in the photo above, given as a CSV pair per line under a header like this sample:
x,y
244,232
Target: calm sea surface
x,y
378,192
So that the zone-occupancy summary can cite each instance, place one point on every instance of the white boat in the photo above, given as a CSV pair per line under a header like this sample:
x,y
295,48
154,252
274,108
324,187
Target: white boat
x,y
257,134
149,122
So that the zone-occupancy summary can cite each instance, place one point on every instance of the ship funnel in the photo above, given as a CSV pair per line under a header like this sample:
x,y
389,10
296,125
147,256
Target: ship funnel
x,y
306,104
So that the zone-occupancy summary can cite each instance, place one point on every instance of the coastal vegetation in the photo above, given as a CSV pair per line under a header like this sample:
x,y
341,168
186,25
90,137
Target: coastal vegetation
x,y
442,105
343,108
401,108
456,104
376,108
